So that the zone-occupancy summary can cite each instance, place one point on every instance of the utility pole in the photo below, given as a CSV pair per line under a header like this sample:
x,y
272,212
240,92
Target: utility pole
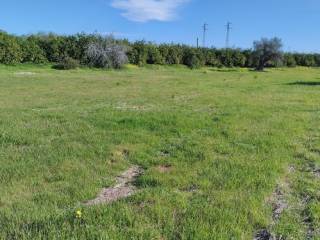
x,y
197,42
205,29
228,26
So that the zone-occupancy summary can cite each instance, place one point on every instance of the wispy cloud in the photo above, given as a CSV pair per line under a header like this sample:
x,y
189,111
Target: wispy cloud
x,y
148,10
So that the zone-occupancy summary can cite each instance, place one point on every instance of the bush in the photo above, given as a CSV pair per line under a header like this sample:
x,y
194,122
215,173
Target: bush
x,y
10,50
67,63
192,58
175,55
31,51
289,60
317,59
154,56
211,58
138,54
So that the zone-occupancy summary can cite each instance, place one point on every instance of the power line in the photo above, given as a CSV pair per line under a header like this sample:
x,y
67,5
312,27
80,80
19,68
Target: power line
x,y
205,29
228,26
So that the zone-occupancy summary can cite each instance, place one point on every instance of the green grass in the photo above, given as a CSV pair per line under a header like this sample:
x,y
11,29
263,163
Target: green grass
x,y
229,136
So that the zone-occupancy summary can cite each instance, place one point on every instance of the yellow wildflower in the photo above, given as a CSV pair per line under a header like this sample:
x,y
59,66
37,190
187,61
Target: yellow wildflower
x,y
78,214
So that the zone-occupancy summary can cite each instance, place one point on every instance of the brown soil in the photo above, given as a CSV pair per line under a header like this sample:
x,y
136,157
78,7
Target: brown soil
x,y
124,188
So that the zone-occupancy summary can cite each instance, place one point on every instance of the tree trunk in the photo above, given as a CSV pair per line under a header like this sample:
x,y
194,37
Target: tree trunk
x,y
260,66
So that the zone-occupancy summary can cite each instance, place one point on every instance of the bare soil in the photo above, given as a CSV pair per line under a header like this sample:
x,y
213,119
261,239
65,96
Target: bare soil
x,y
124,188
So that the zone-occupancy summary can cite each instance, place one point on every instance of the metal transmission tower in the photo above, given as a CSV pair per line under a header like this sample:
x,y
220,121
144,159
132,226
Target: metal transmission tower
x,y
228,26
205,29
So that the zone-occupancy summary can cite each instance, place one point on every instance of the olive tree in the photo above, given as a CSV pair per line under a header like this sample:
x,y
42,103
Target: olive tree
x,y
265,51
106,53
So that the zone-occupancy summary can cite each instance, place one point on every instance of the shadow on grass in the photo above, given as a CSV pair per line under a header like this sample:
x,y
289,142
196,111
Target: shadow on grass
x,y
303,83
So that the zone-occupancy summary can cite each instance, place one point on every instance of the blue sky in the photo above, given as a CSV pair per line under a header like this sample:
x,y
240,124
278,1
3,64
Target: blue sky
x,y
295,21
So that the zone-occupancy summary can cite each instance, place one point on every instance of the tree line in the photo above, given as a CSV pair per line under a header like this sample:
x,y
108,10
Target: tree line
x,y
107,52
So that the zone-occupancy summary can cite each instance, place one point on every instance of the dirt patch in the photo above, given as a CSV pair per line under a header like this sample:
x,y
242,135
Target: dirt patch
x,y
128,107
124,188
24,73
279,203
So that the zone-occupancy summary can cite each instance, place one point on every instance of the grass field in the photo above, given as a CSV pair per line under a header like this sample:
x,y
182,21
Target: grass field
x,y
228,139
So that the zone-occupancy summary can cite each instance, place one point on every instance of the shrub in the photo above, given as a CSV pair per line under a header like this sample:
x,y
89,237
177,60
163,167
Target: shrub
x,y
139,53
317,59
67,63
211,58
154,56
289,60
192,58
10,50
175,55
308,60
31,51
52,45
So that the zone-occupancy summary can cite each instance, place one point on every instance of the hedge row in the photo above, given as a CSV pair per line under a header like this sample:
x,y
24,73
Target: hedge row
x,y
42,48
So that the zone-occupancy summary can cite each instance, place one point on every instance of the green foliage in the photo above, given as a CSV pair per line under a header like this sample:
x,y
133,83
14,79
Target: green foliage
x,y
193,58
52,45
10,50
40,48
267,52
31,51
138,54
174,55
306,60
289,60
67,63
211,58
154,55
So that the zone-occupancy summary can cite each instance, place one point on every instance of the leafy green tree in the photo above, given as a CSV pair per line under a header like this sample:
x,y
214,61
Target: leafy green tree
x,y
211,58
289,60
154,55
317,59
139,53
239,59
265,51
192,58
10,50
31,51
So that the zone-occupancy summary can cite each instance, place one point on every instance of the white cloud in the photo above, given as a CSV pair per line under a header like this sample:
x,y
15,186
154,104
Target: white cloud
x,y
148,10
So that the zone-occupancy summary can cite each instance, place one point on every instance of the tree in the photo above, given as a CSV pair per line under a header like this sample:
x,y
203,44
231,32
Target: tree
x,y
10,50
265,51
192,58
154,56
139,53
106,53
289,60
31,51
